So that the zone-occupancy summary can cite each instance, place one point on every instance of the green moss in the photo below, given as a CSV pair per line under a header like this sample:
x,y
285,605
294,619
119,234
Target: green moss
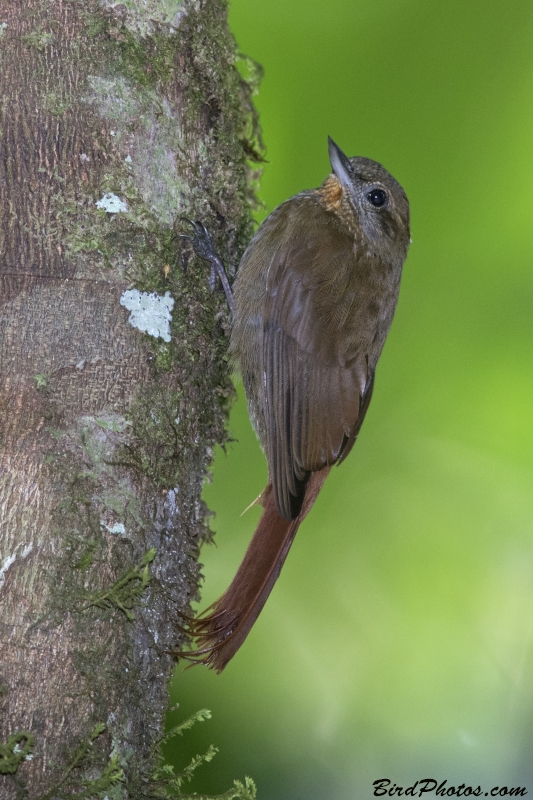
x,y
164,357
18,747
168,780
111,776
56,103
39,39
146,62
86,558
126,592
41,381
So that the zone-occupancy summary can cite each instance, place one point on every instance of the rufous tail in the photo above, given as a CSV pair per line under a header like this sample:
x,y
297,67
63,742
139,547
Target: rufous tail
x,y
220,633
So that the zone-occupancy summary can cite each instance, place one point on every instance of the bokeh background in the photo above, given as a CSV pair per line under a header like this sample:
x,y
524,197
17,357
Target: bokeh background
x,y
398,641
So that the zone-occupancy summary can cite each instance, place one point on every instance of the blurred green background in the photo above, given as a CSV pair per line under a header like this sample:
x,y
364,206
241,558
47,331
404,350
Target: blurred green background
x,y
398,641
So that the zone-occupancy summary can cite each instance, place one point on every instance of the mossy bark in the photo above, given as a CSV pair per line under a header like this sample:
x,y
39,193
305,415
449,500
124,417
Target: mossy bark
x,y
117,119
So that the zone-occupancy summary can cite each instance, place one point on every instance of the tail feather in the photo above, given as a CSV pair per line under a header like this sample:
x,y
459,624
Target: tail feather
x,y
220,633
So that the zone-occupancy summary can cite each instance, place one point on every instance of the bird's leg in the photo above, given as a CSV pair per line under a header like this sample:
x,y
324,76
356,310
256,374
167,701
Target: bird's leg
x,y
204,247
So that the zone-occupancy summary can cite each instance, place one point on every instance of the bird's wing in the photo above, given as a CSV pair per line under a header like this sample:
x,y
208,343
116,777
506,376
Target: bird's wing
x,y
315,372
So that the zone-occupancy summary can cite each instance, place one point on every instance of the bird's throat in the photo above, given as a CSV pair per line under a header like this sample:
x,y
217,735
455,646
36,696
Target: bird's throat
x,y
330,193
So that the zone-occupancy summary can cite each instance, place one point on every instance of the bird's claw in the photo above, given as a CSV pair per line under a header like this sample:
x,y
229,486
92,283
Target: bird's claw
x,y
203,246
200,239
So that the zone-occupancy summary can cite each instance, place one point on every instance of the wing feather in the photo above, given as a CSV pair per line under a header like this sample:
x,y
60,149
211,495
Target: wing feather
x,y
312,397
303,297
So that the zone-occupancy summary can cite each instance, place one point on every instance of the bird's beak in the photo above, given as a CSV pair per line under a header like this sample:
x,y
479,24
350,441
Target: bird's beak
x,y
340,163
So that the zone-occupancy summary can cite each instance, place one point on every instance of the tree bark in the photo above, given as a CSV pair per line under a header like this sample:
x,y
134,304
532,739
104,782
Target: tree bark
x,y
117,119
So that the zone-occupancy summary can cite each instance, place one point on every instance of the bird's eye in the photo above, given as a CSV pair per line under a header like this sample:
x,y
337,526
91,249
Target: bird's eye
x,y
377,197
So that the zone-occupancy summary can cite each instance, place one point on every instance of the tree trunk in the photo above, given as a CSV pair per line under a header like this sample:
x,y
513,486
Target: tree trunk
x,y
116,120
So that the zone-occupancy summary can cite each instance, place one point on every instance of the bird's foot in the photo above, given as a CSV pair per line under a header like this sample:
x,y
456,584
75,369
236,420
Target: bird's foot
x,y
203,246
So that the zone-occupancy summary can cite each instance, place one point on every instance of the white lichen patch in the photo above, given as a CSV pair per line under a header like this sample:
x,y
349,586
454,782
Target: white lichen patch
x,y
149,312
118,528
111,203
9,560
143,17
3,26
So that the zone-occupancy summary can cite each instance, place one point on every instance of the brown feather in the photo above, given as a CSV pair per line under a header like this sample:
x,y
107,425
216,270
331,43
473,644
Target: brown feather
x,y
220,634
314,376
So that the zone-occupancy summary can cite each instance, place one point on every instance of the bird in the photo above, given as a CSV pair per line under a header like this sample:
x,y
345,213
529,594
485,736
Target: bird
x,y
312,303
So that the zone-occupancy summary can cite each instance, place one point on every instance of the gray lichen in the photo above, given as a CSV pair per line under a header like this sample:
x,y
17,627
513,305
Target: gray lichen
x,y
149,312
153,173
111,203
143,18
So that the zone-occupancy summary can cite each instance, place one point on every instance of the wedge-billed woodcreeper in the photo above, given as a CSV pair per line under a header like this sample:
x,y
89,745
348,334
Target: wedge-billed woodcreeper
x,y
313,301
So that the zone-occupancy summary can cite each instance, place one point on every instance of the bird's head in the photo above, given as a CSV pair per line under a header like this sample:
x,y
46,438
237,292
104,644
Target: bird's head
x,y
372,202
